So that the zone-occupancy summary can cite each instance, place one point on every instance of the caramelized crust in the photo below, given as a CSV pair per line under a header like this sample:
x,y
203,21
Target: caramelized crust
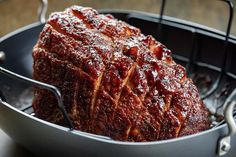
x,y
114,80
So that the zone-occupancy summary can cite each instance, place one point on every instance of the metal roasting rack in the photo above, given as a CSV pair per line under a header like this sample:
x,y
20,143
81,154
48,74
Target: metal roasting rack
x,y
217,90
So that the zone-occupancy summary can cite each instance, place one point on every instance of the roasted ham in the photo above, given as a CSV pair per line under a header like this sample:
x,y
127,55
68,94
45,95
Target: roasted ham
x,y
114,80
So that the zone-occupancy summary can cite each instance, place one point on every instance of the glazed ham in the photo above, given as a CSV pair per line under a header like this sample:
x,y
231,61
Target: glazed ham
x,y
114,80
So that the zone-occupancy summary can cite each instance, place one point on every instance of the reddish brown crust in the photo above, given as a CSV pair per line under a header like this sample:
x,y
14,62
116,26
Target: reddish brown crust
x,y
114,80
103,113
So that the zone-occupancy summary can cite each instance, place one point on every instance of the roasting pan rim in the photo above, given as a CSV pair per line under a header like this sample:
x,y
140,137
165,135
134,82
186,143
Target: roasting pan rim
x,y
166,18
86,135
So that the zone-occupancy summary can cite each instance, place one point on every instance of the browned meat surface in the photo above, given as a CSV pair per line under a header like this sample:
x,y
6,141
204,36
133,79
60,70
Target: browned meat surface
x,y
114,80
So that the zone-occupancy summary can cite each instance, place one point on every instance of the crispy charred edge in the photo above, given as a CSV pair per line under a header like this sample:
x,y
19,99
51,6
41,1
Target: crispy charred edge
x,y
59,30
57,117
180,76
98,79
94,20
198,117
134,132
74,108
155,49
182,79
119,96
196,121
85,51
106,37
38,92
169,106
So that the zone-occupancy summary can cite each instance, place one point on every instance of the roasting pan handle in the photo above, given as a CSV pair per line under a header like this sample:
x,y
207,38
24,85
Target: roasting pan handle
x,y
224,142
39,84
42,11
2,59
